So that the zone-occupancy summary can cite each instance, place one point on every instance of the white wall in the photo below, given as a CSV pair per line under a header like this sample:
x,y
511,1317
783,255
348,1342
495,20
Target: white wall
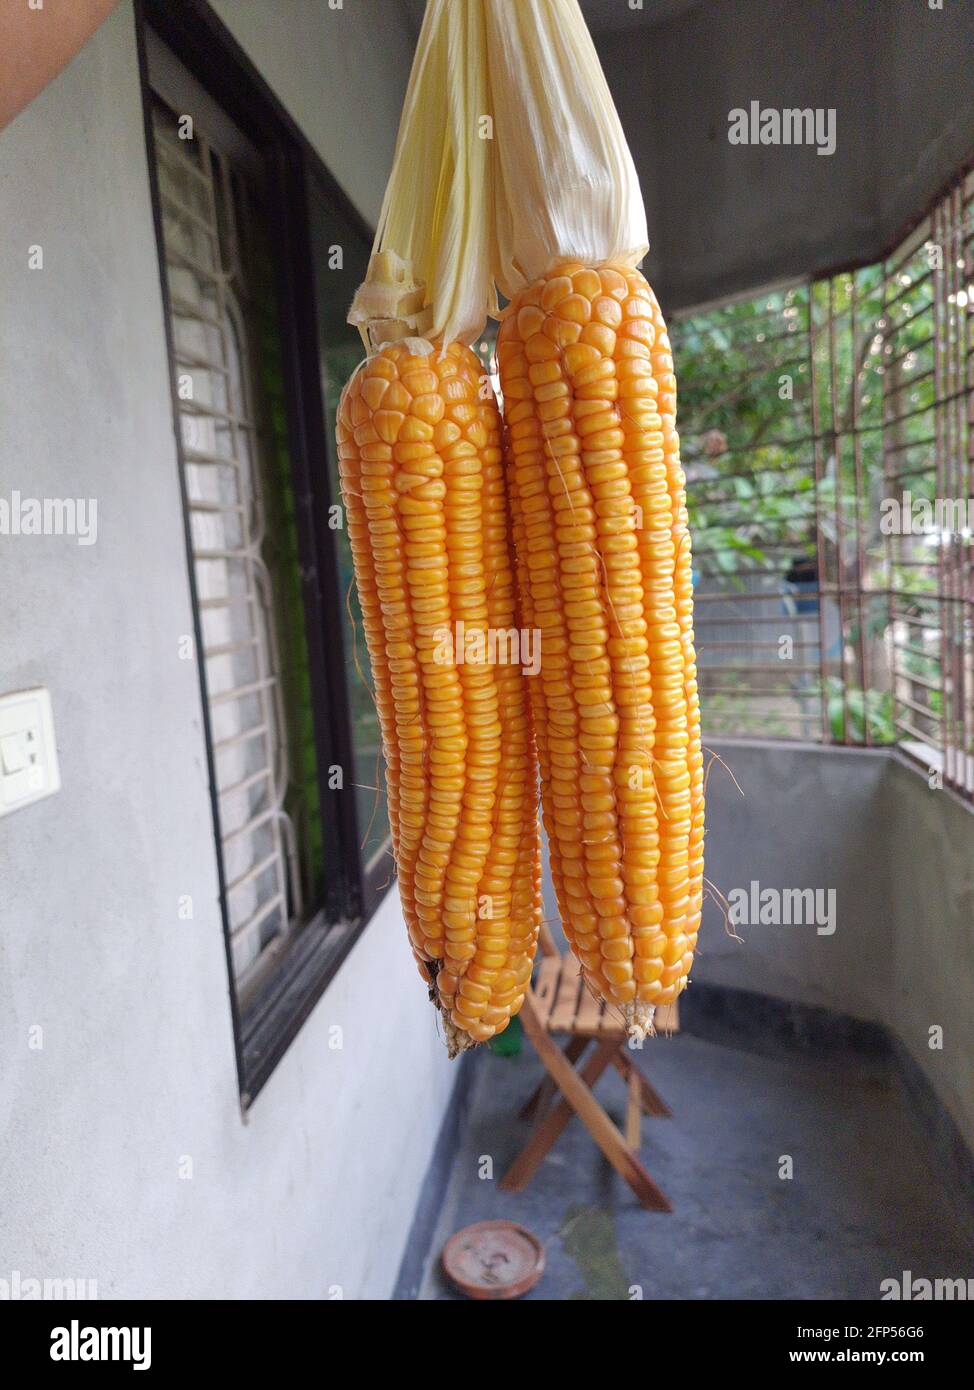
x,y
316,1188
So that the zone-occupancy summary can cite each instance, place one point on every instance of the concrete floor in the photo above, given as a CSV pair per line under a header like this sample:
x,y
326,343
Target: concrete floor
x,y
864,1203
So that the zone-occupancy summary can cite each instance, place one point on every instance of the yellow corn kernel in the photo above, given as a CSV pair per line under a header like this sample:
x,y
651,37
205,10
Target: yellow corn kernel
x,y
422,477
604,568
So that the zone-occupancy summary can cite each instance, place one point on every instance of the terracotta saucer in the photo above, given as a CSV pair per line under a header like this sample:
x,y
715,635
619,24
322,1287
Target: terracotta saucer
x,y
494,1259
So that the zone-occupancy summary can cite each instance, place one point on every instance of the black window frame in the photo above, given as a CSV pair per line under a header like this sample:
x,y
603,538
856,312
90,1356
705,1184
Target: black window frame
x,y
193,32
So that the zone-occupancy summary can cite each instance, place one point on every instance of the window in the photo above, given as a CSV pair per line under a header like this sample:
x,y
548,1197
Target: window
x,y
343,261
259,258
244,560
827,445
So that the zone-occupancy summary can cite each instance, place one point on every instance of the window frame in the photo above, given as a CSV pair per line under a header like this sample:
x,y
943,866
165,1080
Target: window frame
x,y
264,1030
946,222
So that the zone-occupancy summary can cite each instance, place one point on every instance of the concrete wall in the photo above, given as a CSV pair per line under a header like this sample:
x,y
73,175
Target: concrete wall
x,y
136,1073
931,907
342,75
925,123
726,218
807,819
899,857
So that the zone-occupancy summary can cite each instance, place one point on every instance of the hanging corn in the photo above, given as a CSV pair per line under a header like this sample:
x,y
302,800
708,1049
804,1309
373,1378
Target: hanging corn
x,y
603,545
512,172
421,465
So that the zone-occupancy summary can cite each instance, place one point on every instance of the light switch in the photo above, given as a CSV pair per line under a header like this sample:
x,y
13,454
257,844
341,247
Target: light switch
x,y
28,755
13,753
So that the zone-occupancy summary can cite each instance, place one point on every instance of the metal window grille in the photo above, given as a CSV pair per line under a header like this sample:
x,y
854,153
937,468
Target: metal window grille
x,y
818,419
204,203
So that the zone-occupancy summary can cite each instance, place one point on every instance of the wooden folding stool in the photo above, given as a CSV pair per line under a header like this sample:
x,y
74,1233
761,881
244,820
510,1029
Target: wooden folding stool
x,y
560,1003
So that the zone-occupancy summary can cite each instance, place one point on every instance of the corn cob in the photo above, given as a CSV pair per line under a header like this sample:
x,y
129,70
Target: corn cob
x,y
422,477
662,359
604,560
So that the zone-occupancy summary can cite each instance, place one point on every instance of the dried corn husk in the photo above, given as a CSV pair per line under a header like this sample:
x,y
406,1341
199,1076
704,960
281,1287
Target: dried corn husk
x,y
435,221
566,185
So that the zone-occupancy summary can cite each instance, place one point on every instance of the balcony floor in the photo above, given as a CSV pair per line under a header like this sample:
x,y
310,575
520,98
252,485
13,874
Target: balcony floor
x,y
865,1203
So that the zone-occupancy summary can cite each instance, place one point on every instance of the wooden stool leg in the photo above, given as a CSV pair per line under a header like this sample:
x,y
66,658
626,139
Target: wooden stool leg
x,y
524,1167
545,1088
653,1103
634,1112
546,941
579,1097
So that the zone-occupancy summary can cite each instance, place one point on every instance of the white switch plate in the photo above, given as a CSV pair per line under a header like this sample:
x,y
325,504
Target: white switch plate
x,y
28,755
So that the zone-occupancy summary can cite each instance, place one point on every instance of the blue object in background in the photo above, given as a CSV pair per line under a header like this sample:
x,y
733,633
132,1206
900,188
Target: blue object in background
x,y
803,606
